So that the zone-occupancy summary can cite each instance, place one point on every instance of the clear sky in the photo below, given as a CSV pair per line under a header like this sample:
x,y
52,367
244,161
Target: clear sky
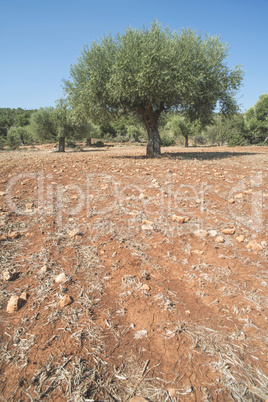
x,y
40,39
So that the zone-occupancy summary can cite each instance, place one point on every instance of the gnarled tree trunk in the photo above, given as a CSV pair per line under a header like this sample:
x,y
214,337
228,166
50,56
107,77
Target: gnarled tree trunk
x,y
186,143
61,144
88,143
150,119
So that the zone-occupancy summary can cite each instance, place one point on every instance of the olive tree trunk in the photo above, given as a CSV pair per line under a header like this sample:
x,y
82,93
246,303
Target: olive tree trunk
x,y
150,119
186,143
88,143
61,144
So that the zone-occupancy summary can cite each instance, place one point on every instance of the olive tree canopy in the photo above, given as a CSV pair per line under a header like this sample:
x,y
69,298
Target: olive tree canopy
x,y
151,70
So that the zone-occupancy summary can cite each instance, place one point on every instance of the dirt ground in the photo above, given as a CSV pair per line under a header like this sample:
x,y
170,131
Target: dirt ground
x,y
165,264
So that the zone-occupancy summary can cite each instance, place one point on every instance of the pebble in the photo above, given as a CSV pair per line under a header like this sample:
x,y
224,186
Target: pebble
x,y
13,304
238,196
8,275
65,301
60,278
228,231
146,227
179,219
254,246
219,239
145,287
198,252
201,233
212,233
16,302
146,222
240,238
74,233
231,201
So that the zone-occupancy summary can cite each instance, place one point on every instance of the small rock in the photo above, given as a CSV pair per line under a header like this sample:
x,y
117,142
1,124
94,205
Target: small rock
x,y
9,275
228,231
198,252
14,304
179,219
13,235
65,301
44,269
231,201
75,232
253,245
238,196
201,233
263,244
146,227
212,233
146,222
248,191
219,239
24,296
172,392
61,278
240,238
145,287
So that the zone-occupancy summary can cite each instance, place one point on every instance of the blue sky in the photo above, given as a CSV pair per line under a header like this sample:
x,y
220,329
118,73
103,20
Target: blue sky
x,y
40,39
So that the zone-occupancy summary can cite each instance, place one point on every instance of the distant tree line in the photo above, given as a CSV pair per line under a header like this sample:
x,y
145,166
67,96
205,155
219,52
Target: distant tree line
x,y
20,127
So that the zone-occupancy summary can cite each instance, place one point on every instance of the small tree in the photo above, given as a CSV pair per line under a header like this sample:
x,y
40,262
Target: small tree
x,y
148,71
57,124
256,119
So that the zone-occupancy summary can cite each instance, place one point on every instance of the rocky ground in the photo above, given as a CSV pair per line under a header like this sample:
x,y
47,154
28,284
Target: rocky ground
x,y
123,276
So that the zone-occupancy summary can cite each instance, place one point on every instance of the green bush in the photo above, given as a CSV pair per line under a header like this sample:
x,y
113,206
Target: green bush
x,y
99,144
167,140
200,140
237,140
2,143
71,144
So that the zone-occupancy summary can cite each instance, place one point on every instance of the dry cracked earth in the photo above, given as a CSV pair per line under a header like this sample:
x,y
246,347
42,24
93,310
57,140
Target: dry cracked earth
x,y
126,277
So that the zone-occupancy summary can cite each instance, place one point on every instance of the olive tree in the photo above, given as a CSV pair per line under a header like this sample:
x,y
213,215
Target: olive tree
x,y
151,70
57,124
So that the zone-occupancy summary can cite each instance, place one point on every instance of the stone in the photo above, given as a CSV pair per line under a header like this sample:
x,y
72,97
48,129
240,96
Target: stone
x,y
198,252
179,219
219,239
231,201
13,235
14,304
240,238
145,287
201,233
44,269
172,392
146,227
65,301
146,222
263,244
24,296
239,196
254,246
230,231
9,275
61,278
74,233
212,233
